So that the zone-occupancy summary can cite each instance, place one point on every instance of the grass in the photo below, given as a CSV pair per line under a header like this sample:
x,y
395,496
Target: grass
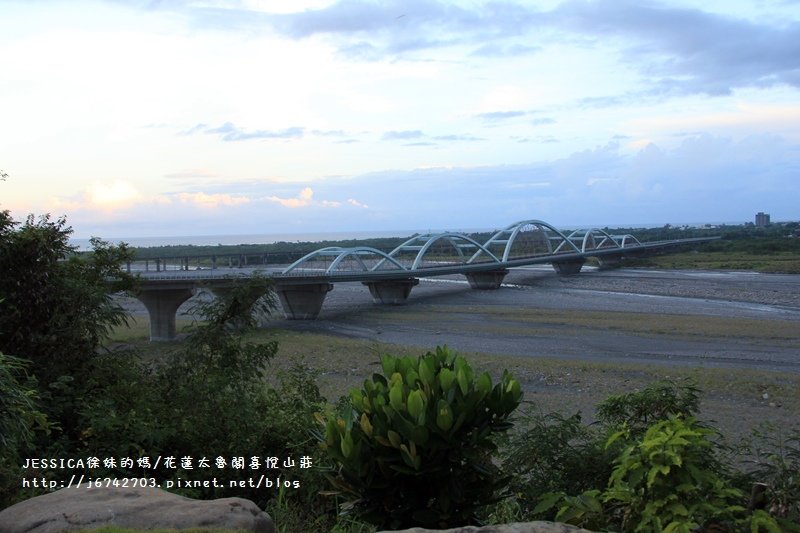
x,y
138,330
778,262
117,529
548,321
733,398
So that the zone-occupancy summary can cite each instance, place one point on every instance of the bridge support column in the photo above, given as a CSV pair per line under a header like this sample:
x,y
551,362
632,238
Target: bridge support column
x,y
486,280
392,292
246,299
303,302
565,268
249,298
162,304
609,261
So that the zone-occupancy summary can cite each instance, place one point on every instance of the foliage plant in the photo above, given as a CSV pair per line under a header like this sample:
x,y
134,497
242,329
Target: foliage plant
x,y
775,467
666,471
668,480
554,454
664,481
658,401
57,305
19,407
20,418
415,445
55,312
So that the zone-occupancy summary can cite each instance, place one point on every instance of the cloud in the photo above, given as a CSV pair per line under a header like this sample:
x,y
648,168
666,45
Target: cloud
x,y
502,50
402,135
413,135
398,26
608,184
356,203
687,50
495,116
192,173
457,138
212,200
230,132
746,118
107,197
677,50
303,199
329,133
704,178
112,194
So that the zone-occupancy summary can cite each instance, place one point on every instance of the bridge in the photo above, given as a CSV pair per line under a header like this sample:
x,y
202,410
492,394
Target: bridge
x,y
390,276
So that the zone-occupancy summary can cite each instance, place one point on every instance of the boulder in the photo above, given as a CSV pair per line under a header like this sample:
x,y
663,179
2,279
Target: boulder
x,y
516,527
137,508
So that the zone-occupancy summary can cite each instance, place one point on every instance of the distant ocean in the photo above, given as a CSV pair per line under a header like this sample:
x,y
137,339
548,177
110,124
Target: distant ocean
x,y
270,238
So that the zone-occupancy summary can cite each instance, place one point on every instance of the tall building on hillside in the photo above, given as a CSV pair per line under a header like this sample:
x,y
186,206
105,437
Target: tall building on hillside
x,y
762,219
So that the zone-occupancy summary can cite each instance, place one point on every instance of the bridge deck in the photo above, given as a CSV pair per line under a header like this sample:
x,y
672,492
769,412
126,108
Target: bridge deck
x,y
302,287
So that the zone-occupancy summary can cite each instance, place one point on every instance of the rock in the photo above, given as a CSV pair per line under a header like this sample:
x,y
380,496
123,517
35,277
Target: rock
x,y
517,527
72,509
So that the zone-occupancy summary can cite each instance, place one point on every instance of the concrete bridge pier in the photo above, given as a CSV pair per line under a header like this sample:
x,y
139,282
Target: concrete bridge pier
x,y
246,299
490,280
250,297
391,292
608,262
162,305
303,302
566,268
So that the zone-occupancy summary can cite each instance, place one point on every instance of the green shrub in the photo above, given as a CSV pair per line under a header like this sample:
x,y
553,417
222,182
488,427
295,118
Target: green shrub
x,y
669,480
57,306
666,480
775,465
20,418
415,447
555,454
19,411
658,401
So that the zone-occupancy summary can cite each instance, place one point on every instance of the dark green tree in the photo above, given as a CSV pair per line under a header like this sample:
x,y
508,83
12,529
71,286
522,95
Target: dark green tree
x,y
56,303
56,309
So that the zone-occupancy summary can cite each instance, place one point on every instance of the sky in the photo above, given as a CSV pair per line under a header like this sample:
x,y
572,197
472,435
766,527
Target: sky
x,y
217,117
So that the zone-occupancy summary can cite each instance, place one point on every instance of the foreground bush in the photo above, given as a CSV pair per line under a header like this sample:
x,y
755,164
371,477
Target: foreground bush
x,y
649,466
667,480
209,398
774,471
20,419
415,445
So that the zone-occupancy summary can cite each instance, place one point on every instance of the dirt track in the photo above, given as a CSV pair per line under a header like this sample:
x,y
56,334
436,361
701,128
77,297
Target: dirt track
x,y
573,341
674,318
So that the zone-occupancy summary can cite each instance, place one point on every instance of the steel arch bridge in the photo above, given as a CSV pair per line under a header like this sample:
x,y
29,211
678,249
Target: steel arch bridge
x,y
390,276
521,243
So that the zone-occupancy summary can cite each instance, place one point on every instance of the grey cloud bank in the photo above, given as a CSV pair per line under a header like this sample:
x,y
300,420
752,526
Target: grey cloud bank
x,y
725,180
228,118
678,49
